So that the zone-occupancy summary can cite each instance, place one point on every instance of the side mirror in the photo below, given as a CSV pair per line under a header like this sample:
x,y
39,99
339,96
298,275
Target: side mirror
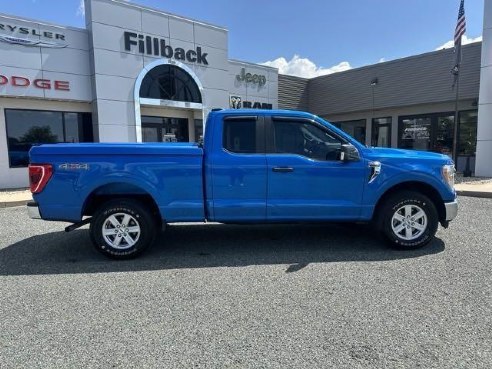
x,y
348,153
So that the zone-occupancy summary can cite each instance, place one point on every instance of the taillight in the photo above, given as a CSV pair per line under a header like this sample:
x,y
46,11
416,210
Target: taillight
x,y
39,175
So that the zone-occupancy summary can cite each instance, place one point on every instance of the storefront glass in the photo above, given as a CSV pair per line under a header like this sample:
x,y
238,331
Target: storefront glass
x,y
467,145
26,128
434,132
163,129
415,133
443,142
198,130
381,132
355,128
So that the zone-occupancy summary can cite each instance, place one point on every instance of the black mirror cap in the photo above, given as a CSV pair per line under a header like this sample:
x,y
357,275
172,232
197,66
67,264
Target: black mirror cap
x,y
349,153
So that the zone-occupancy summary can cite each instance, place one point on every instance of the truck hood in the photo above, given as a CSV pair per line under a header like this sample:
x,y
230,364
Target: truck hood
x,y
377,153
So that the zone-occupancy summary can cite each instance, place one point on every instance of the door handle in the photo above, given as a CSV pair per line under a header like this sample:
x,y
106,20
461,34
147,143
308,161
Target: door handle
x,y
283,169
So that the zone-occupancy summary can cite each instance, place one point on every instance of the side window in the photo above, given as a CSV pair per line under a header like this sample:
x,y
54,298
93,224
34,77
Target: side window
x,y
305,139
240,136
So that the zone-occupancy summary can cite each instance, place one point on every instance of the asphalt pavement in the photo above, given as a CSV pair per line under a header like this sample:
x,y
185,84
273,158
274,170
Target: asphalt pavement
x,y
216,296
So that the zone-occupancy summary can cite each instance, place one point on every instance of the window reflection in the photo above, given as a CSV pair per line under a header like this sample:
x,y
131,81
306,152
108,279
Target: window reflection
x,y
355,128
26,128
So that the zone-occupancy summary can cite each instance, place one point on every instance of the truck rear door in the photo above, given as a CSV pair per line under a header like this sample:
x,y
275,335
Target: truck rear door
x,y
237,170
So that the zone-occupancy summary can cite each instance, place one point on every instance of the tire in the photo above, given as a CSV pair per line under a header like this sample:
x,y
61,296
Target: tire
x,y
122,229
408,220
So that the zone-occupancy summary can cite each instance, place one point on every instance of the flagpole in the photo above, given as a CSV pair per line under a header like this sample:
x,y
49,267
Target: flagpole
x,y
456,113
458,34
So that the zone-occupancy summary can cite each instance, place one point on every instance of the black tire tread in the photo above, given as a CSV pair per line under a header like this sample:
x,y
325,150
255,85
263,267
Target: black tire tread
x,y
147,224
397,200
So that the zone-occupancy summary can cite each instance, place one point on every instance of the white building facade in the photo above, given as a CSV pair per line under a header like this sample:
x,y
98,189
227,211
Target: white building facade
x,y
134,74
484,129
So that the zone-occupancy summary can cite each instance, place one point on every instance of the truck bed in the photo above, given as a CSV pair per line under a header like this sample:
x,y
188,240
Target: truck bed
x,y
171,173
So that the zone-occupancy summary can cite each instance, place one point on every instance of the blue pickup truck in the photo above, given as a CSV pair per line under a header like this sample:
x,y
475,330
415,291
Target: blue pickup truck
x,y
254,166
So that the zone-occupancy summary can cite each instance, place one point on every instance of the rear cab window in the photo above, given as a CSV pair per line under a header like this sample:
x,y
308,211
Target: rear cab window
x,y
243,135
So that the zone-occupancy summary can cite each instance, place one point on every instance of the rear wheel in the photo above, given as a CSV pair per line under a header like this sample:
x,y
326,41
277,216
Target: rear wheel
x,y
122,229
409,220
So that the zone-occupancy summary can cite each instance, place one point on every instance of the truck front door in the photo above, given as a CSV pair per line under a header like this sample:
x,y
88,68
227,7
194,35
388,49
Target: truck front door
x,y
306,178
238,170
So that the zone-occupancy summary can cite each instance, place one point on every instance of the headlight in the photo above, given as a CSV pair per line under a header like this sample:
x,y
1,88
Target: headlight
x,y
448,172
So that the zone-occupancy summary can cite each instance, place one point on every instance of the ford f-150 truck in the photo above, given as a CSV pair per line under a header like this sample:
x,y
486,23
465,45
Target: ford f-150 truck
x,y
264,166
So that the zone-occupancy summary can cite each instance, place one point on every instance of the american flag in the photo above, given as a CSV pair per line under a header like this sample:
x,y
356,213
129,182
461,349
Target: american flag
x,y
461,25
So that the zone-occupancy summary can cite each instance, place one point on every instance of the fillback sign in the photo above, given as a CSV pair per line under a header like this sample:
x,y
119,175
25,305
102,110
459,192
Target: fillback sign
x,y
158,47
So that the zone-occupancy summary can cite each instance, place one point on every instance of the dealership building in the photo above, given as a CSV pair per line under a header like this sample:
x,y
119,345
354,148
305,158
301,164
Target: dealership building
x,y
135,74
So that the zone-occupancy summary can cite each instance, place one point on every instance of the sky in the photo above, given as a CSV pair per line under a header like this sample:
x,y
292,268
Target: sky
x,y
305,38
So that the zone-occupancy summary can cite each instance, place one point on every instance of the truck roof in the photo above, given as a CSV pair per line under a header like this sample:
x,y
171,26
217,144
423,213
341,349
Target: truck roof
x,y
296,113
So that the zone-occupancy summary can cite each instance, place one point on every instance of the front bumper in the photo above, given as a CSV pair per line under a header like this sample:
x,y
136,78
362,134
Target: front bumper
x,y
451,210
33,210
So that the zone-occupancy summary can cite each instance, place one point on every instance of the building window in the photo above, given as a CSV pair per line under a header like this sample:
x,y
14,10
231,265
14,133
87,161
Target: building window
x,y
26,128
381,132
162,129
434,132
198,123
169,82
355,128
415,133
467,144
428,132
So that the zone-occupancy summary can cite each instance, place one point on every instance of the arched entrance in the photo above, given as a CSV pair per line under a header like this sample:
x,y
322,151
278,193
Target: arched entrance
x,y
168,103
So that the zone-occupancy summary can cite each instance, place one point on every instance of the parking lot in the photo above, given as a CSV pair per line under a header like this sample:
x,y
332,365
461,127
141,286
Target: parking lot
x,y
287,296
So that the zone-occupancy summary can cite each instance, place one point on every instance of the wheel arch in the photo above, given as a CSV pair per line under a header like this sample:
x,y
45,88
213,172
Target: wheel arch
x,y
119,190
416,186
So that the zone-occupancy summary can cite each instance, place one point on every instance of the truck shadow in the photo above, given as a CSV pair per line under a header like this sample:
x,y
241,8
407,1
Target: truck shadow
x,y
207,246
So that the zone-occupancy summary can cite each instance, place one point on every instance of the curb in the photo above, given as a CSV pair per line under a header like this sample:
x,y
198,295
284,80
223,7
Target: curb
x,y
11,204
483,195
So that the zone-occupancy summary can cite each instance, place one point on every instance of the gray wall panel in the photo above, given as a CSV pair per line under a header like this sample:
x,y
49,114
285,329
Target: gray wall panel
x,y
292,92
415,80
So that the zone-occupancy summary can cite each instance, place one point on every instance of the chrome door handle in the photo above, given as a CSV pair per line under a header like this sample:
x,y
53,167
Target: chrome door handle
x,y
282,169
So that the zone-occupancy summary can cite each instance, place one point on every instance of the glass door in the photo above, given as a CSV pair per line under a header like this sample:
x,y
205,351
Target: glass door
x,y
443,141
164,129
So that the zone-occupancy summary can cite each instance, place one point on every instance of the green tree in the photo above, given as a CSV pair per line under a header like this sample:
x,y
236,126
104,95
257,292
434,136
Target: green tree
x,y
38,134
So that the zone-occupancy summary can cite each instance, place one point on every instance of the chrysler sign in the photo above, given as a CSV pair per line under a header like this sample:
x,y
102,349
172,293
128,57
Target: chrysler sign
x,y
12,33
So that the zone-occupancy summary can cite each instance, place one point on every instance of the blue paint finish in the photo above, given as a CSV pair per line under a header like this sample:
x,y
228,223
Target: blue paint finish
x,y
239,187
314,190
189,183
171,175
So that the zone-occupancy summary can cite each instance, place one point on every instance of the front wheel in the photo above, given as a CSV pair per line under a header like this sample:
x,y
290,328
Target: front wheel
x,y
409,220
122,229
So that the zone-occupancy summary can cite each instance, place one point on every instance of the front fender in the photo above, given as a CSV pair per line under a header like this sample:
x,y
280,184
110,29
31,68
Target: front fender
x,y
395,176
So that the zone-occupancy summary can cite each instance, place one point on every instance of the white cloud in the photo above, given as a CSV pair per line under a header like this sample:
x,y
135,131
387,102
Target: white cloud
x,y
303,67
382,60
465,40
81,8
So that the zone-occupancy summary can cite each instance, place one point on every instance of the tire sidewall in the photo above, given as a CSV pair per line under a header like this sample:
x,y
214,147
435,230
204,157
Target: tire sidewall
x,y
144,219
422,202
